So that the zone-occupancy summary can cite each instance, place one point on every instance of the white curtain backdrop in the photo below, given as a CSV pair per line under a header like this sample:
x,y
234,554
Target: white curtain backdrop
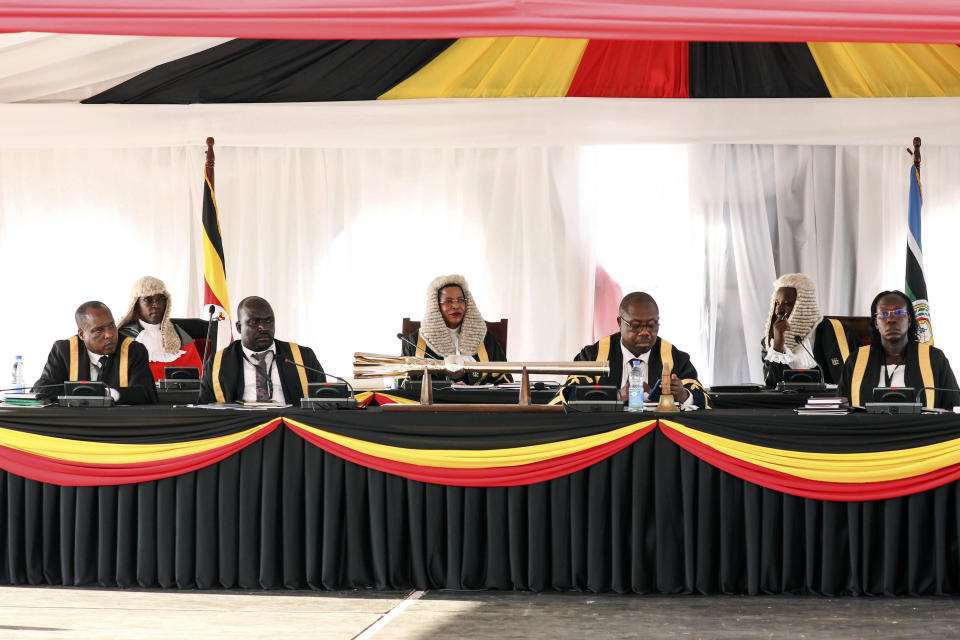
x,y
838,214
343,241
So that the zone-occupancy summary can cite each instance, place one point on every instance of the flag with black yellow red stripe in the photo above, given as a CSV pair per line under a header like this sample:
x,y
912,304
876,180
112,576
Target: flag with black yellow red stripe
x,y
214,265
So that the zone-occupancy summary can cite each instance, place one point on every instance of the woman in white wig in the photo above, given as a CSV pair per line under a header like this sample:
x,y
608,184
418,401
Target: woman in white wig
x,y
148,322
799,337
452,325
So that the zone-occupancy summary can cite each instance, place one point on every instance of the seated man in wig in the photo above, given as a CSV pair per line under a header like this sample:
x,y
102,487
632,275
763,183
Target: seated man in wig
x,y
796,329
99,354
255,369
894,358
148,322
638,340
452,325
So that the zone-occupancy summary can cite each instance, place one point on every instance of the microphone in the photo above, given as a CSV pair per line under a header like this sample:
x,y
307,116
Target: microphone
x,y
323,373
415,347
31,389
799,341
922,389
206,347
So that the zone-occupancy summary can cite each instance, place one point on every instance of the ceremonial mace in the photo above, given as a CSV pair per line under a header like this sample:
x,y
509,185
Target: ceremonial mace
x,y
667,404
375,365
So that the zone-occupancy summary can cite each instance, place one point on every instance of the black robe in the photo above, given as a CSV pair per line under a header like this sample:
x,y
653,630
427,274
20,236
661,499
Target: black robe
x,y
942,375
826,351
495,353
133,329
140,387
681,366
231,373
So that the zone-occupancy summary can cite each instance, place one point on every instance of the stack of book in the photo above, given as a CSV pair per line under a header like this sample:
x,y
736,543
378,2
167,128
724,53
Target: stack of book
x,y
13,399
825,407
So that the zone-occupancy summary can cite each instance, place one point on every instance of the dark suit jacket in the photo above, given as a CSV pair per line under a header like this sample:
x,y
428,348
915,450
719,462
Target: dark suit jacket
x,y
681,366
231,373
942,375
826,351
140,389
495,353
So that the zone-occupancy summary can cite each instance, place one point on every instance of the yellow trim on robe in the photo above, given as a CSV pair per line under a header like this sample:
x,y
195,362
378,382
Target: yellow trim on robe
x,y
111,452
841,338
125,362
215,378
888,70
873,466
421,345
926,372
859,368
475,459
74,374
295,350
507,67
482,357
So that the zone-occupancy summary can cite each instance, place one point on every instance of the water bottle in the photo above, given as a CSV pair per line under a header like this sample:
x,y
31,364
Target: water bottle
x,y
18,375
635,393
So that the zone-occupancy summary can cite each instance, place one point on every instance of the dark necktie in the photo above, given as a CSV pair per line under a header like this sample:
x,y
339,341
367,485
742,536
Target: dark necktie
x,y
263,375
100,365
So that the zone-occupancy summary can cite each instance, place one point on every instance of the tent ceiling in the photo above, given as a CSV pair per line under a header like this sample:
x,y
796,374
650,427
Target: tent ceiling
x,y
931,21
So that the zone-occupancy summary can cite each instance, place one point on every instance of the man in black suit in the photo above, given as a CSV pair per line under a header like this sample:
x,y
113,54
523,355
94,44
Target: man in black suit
x,y
638,341
256,369
97,353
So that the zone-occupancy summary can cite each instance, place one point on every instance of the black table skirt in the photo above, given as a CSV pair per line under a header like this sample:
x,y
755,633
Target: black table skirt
x,y
653,518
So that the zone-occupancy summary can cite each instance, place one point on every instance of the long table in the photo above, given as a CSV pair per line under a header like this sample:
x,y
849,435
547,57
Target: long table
x,y
747,501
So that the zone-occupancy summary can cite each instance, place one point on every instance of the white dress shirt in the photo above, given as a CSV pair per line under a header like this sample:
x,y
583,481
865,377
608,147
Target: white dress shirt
x,y
798,359
152,339
250,375
455,335
893,376
644,359
95,373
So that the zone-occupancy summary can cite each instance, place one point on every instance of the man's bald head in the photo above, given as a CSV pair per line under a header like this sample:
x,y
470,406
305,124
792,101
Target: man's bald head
x,y
634,297
255,323
639,321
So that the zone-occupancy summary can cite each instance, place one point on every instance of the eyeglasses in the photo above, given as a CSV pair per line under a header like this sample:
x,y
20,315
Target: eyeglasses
x,y
451,301
896,313
637,326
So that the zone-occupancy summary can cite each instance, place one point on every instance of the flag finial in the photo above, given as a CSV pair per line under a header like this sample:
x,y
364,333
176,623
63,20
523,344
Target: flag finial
x,y
915,152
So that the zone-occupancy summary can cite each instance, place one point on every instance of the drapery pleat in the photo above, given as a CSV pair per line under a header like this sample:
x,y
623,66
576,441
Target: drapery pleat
x,y
496,68
878,70
278,71
632,69
652,518
754,70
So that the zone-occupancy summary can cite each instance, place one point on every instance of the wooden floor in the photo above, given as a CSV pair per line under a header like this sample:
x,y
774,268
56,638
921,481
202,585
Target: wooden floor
x,y
59,613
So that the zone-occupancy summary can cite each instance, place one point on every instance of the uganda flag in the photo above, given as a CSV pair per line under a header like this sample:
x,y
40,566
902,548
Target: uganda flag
x,y
214,271
916,285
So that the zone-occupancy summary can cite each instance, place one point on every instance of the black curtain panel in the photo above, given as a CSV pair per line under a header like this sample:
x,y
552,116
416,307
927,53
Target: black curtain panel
x,y
283,514
754,70
279,71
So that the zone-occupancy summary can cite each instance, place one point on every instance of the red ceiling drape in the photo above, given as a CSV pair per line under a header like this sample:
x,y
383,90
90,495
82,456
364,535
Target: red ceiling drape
x,y
927,21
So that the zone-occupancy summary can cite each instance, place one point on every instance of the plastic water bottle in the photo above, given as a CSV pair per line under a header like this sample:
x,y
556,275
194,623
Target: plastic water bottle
x,y
635,392
18,375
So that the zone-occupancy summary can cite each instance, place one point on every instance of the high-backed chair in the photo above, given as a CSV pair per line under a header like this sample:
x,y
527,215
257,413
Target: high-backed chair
x,y
497,329
196,328
860,325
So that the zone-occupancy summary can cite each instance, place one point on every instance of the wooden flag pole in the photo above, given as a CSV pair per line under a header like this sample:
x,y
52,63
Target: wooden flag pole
x,y
915,152
210,160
